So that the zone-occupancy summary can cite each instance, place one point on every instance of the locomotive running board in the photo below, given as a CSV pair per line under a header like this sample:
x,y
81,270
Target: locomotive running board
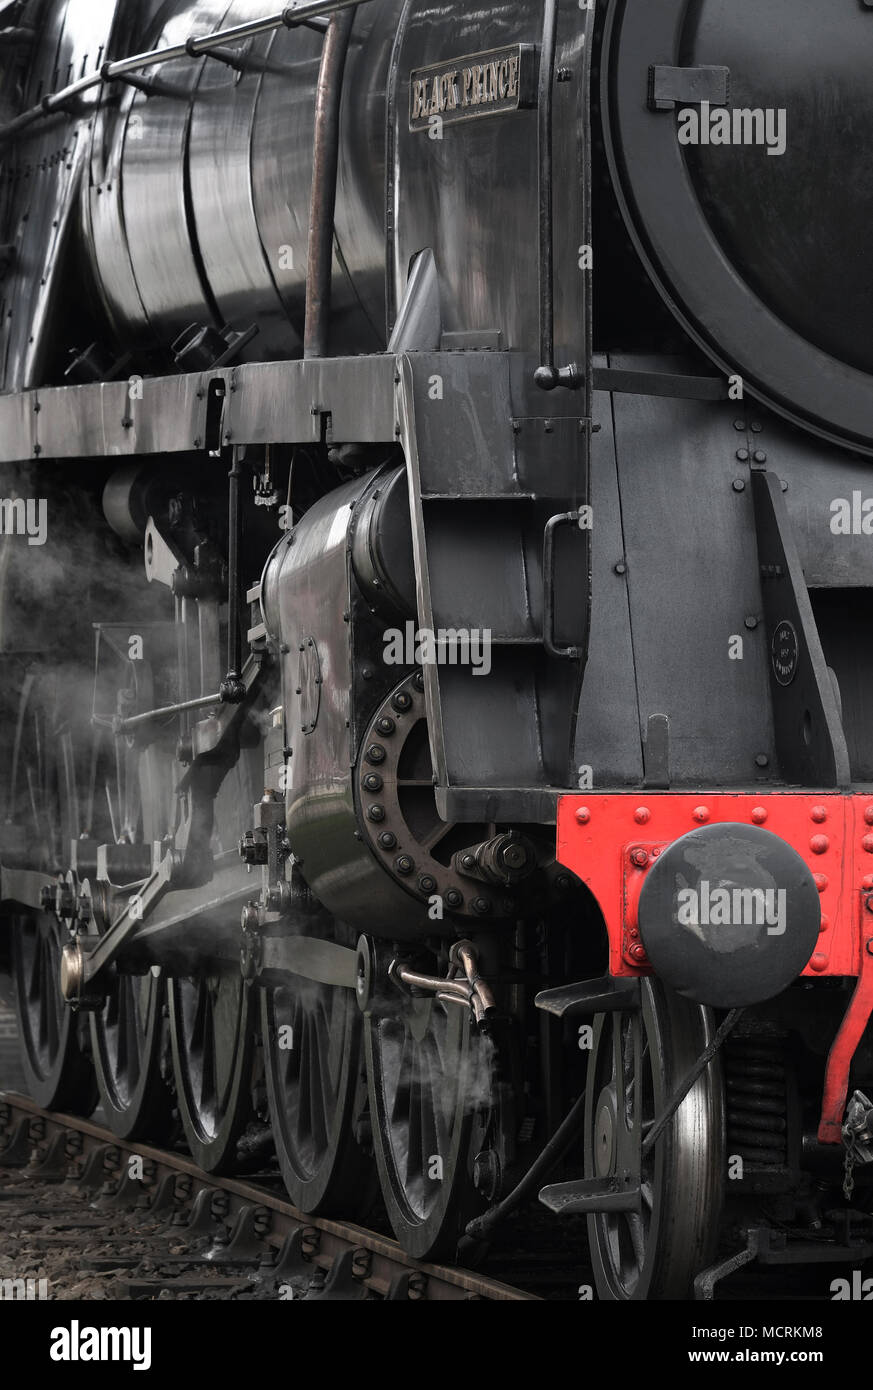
x,y
591,997
589,1195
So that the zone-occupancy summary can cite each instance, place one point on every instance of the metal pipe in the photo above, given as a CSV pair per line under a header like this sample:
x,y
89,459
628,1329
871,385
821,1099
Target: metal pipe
x,y
413,980
137,721
325,165
234,647
547,375
466,954
546,190
290,18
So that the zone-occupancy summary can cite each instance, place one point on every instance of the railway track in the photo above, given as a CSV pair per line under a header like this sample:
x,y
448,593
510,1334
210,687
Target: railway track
x,y
94,1217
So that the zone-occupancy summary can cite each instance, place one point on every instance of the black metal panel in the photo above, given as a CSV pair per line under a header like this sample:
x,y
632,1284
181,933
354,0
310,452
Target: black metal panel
x,y
608,731
692,577
471,194
480,564
809,735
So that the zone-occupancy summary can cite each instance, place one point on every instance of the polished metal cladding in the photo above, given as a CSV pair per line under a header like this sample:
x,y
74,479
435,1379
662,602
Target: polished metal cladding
x,y
199,204
42,179
237,264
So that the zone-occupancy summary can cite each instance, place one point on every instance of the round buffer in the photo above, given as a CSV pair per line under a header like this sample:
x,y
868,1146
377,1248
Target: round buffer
x,y
729,915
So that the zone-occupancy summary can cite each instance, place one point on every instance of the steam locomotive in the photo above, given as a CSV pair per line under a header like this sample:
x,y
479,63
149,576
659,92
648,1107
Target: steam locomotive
x,y
435,449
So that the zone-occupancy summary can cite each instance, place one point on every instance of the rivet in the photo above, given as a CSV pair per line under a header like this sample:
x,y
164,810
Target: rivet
x,y
762,760
759,815
760,456
821,881
642,814
867,843
820,844
621,568
867,881
739,484
701,814
583,815
819,962
868,815
743,455
751,623
824,924
819,814
870,947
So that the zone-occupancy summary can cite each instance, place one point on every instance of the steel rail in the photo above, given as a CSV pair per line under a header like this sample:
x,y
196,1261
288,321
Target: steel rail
x,y
328,1240
290,17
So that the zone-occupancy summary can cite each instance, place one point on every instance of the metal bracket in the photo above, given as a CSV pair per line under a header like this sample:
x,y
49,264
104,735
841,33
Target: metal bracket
x,y
669,87
810,740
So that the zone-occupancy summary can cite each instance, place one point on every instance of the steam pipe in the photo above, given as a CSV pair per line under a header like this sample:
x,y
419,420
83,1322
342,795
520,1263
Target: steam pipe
x,y
234,648
325,165
302,13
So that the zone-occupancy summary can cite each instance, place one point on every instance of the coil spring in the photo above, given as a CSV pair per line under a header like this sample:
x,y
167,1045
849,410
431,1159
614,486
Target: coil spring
x,y
757,1105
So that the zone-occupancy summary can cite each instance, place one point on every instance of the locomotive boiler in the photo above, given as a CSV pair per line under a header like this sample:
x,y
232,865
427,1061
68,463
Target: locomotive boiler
x,y
435,439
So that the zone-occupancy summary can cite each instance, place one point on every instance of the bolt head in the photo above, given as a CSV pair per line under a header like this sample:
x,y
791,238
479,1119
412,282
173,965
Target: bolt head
x,y
375,754
454,899
373,782
640,858
404,865
388,841
376,814
638,952
481,906
402,701
386,727
427,884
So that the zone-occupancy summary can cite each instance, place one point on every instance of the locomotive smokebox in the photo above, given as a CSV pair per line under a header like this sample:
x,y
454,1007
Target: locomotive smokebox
x,y
729,915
